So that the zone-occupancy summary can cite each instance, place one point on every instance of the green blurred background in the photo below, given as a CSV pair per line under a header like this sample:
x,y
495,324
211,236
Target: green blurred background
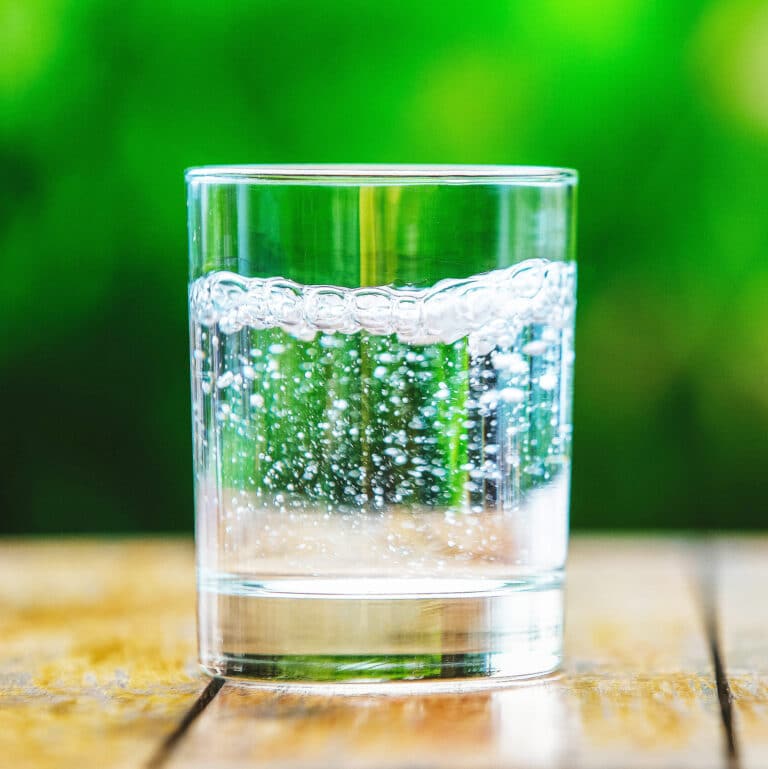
x,y
663,108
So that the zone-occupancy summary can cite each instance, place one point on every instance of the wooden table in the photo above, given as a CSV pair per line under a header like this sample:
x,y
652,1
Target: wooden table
x,y
667,665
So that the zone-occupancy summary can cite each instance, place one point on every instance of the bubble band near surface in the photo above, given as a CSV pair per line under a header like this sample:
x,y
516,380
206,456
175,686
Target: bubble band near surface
x,y
480,306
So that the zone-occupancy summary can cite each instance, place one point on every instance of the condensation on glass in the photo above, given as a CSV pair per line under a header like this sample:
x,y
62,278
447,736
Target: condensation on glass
x,y
382,363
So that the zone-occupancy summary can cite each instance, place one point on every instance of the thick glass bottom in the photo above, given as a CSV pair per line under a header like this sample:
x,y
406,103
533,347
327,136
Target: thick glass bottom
x,y
376,630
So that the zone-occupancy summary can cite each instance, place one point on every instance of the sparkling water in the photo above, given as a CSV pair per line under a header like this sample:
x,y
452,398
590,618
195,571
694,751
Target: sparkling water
x,y
382,474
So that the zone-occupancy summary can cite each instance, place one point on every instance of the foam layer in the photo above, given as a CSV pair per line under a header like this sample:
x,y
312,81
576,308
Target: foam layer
x,y
481,307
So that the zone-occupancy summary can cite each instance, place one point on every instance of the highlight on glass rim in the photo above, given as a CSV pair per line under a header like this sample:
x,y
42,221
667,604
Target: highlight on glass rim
x,y
472,303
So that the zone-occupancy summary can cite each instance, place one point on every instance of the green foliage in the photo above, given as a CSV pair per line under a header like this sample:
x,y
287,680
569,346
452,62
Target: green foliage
x,y
660,106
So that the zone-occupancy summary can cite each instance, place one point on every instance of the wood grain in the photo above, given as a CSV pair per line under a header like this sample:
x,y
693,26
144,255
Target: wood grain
x,y
638,691
742,610
97,650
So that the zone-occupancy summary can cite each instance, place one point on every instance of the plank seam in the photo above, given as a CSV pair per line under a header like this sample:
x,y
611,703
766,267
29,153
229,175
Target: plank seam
x,y
166,748
708,572
725,697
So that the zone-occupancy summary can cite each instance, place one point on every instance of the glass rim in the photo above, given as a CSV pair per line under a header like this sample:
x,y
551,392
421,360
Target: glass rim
x,y
367,174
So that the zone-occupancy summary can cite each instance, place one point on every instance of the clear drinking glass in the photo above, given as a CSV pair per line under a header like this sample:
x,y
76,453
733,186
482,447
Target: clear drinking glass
x,y
381,386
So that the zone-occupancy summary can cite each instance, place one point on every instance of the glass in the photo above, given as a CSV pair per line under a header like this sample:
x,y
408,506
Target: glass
x,y
381,388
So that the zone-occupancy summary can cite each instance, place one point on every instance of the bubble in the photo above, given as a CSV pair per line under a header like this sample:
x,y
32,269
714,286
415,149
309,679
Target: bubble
x,y
304,333
285,302
407,316
257,400
326,308
488,400
548,381
512,395
380,372
372,309
535,348
225,380
480,345
510,362
443,392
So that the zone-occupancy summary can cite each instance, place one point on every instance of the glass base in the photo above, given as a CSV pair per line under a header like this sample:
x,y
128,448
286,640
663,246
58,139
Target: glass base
x,y
427,670
374,631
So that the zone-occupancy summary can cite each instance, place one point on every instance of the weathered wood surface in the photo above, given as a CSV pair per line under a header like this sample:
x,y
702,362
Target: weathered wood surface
x,y
742,611
97,650
97,669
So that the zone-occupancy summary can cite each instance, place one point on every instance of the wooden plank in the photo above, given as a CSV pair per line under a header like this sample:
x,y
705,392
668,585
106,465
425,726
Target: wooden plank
x,y
97,650
639,663
638,691
742,610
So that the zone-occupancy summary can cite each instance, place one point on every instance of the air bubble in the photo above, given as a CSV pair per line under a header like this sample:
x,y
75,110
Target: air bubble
x,y
443,392
225,380
510,362
535,348
512,395
548,381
